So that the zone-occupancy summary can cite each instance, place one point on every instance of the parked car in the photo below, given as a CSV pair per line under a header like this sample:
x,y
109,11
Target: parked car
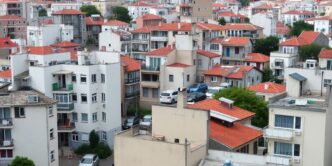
x,y
169,96
212,90
195,97
130,122
200,87
146,122
225,85
89,160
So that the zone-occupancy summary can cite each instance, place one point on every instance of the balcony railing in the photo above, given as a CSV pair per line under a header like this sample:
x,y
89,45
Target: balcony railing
x,y
132,80
65,106
132,94
6,122
276,133
6,143
56,87
66,126
150,68
139,50
125,38
159,38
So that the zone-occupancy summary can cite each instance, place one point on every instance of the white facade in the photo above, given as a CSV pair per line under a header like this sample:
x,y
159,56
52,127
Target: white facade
x,y
138,10
158,11
49,34
323,25
60,6
280,60
266,21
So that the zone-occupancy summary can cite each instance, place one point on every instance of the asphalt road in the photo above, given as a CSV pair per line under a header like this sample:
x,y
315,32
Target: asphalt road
x,y
64,161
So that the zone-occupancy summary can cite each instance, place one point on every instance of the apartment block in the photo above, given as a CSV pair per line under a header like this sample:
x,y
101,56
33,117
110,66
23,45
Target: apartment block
x,y
14,26
195,10
28,118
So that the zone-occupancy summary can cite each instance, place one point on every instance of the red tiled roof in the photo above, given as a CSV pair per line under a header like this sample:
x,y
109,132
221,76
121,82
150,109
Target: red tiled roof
x,y
324,18
178,65
67,12
208,54
263,6
241,26
257,57
217,71
299,12
116,23
11,17
65,44
40,50
235,136
91,21
215,105
73,55
325,53
139,3
213,27
238,41
218,5
240,72
131,64
6,42
6,73
282,29
230,14
268,87
180,26
143,30
305,38
149,16
161,51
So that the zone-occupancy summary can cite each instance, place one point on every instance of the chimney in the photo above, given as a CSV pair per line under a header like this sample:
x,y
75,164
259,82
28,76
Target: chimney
x,y
182,98
179,25
266,86
226,102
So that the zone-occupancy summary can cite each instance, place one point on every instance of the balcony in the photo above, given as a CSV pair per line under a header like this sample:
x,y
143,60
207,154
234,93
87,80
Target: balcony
x,y
277,133
150,84
159,38
132,80
125,38
7,144
139,50
132,94
67,107
66,126
57,87
150,68
6,123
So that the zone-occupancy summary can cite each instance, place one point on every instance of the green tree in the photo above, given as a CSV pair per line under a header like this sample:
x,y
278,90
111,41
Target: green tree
x,y
90,10
21,161
93,139
120,13
267,45
244,2
322,14
246,20
222,21
300,26
267,74
310,51
42,13
248,100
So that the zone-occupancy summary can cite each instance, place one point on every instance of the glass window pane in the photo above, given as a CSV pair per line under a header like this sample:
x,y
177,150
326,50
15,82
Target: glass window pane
x,y
298,122
284,121
282,148
296,149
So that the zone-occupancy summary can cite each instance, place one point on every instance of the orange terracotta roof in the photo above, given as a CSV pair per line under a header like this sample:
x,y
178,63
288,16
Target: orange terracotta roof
x,y
241,26
116,23
6,73
268,87
65,44
230,14
324,18
178,65
143,30
67,12
215,105
73,55
325,53
218,5
6,42
217,71
263,6
257,57
240,72
11,17
235,136
180,26
305,38
130,64
91,21
40,50
161,51
299,12
212,27
208,54
149,16
237,41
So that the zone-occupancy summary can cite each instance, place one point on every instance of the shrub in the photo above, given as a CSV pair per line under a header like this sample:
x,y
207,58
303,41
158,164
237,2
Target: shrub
x,y
93,139
83,149
103,150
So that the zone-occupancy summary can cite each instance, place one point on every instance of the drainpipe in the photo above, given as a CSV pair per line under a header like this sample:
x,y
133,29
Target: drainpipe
x,y
322,83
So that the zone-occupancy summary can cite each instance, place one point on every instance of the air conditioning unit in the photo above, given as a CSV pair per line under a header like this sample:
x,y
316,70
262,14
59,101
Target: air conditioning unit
x,y
298,133
6,143
297,160
5,122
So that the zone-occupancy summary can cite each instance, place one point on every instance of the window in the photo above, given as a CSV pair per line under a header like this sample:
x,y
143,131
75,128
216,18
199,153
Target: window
x,y
94,97
145,92
84,137
199,62
84,117
170,78
327,82
83,78
52,156
155,92
19,112
6,153
282,148
50,111
188,77
74,117
214,47
214,79
296,149
74,137
284,121
104,135
74,97
94,117
297,122
102,78
51,134
93,78
329,65
237,50
103,97
103,116
84,98
73,77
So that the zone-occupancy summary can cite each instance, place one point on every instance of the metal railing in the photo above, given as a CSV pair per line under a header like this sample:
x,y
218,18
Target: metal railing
x,y
57,87
65,106
150,68
132,80
6,122
132,94
7,143
66,125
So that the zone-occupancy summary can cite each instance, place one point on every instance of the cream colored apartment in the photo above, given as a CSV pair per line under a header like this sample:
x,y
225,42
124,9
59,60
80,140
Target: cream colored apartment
x,y
176,138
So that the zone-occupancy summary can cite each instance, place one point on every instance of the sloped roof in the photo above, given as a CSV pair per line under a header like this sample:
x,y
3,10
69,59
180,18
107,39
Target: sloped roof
x,y
116,23
305,38
241,26
11,17
240,72
68,12
180,26
298,77
208,54
149,16
217,71
161,51
65,44
237,41
212,27
145,29
257,57
40,50
268,87
6,73
6,42
325,53
130,64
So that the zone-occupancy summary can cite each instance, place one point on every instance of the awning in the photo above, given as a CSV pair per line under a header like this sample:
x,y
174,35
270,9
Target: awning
x,y
62,72
23,76
298,77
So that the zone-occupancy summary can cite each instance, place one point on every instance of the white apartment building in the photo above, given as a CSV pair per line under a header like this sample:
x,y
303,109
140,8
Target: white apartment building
x,y
64,5
28,127
323,24
85,90
138,9
296,15
115,41
45,35
267,21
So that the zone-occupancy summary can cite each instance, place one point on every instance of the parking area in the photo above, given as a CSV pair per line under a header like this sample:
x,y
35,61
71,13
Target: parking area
x,y
64,161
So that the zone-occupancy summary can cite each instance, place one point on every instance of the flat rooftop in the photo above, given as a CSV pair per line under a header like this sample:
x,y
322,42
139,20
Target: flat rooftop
x,y
24,98
309,103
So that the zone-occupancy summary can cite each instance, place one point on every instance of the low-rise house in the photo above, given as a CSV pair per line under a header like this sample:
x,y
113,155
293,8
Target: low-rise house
x,y
267,90
48,34
115,41
231,17
243,30
206,60
235,50
149,20
194,11
258,60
